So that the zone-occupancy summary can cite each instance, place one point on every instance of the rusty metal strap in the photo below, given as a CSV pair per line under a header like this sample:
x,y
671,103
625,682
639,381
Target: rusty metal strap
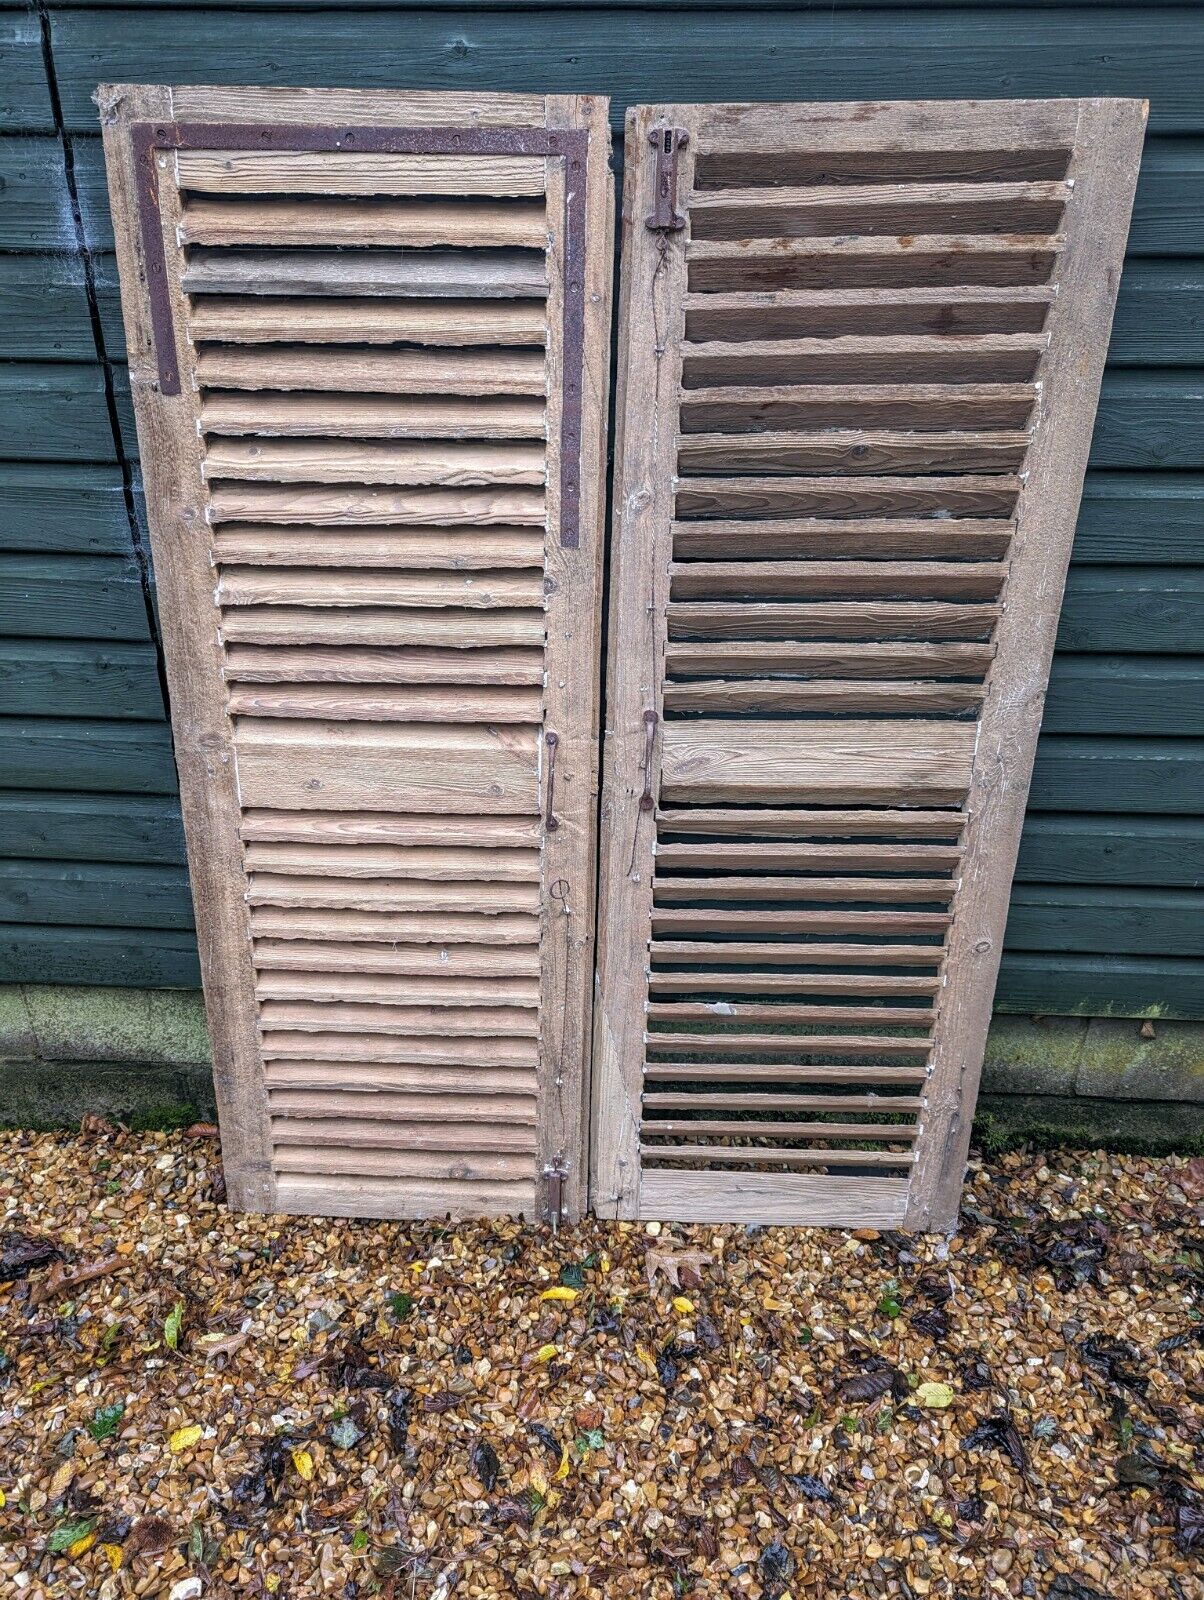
x,y
569,144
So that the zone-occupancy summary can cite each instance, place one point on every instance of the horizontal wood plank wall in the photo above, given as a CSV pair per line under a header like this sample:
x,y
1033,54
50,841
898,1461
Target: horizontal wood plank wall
x,y
1109,875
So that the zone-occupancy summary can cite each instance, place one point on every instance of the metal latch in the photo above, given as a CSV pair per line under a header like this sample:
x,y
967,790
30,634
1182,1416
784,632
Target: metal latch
x,y
554,1175
667,143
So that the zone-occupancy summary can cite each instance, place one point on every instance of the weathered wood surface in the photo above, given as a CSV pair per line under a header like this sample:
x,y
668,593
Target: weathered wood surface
x,y
381,630
922,626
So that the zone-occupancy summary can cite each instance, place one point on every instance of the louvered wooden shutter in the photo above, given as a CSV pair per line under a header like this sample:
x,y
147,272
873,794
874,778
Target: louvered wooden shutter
x,y
859,365
368,345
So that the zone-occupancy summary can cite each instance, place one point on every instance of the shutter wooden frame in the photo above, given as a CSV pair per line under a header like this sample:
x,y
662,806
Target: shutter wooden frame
x,y
564,141
721,172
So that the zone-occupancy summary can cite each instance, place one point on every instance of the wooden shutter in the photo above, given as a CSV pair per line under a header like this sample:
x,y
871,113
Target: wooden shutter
x,y
860,356
369,353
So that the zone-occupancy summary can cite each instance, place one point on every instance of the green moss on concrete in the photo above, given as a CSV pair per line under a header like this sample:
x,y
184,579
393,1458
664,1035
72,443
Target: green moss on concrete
x,y
1099,1057
53,1023
1145,1128
45,1095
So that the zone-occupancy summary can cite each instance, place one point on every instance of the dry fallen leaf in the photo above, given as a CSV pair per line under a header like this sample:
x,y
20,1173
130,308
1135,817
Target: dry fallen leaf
x,y
677,1266
935,1396
184,1438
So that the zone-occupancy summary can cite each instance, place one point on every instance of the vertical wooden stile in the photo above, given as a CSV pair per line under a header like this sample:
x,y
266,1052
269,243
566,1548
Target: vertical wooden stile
x,y
368,348
860,352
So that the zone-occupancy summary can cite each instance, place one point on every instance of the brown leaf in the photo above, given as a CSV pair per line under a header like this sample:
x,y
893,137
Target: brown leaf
x,y
202,1130
682,1268
93,1125
212,1348
58,1280
1192,1177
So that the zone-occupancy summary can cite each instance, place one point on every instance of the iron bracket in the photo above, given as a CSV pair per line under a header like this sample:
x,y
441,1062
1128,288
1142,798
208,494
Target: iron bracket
x,y
554,1175
667,143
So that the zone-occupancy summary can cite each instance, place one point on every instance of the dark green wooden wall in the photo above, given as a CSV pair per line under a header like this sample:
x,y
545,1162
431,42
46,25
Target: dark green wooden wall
x,y
93,889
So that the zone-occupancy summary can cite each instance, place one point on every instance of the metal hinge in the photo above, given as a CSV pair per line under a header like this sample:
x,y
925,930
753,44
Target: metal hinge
x,y
554,1175
666,142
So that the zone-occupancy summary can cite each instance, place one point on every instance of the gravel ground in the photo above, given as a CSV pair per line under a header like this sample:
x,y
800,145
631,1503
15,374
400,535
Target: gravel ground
x,y
199,1404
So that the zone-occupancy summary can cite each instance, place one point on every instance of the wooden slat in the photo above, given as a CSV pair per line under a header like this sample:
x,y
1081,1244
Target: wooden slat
x,y
464,927
502,1025
780,1102
773,696
432,863
802,313
895,208
724,1015
438,274
862,358
929,580
389,1049
764,923
252,319
759,954
460,630
960,496
839,619
438,372
928,407
872,537
383,1105
357,1163
720,1128
380,827
371,894
788,983
738,856
423,703
363,1133
817,824
888,891
780,1072
295,664
277,586
868,659
851,450
463,1084
344,461
393,990
311,957
421,223
799,1044
428,549
362,172
363,416
720,1155
368,507
913,261
920,763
